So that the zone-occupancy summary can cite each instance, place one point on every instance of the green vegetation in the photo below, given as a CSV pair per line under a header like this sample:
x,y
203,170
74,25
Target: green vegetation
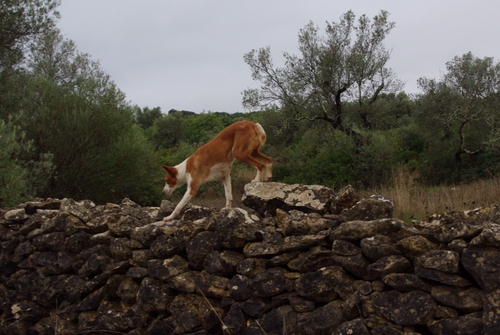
x,y
334,115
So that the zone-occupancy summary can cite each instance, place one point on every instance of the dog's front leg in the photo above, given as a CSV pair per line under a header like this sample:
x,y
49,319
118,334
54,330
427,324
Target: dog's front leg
x,y
185,199
228,189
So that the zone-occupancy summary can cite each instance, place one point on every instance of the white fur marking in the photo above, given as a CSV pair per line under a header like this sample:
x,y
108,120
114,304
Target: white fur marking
x,y
261,129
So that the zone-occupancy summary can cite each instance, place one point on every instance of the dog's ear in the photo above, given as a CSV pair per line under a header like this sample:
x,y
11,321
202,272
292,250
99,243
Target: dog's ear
x,y
169,170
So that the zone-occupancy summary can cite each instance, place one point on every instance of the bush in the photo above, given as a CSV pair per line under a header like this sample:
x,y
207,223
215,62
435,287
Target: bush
x,y
13,176
98,151
336,159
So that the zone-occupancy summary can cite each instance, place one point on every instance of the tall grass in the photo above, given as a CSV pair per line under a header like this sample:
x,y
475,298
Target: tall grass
x,y
414,201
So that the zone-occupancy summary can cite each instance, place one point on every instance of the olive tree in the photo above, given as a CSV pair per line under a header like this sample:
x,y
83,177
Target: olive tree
x,y
347,64
464,102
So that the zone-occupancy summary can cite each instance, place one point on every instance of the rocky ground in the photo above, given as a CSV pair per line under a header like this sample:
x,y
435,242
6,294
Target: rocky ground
x,y
303,260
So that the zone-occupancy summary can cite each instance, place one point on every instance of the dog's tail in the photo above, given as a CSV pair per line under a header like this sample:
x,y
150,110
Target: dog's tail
x,y
261,134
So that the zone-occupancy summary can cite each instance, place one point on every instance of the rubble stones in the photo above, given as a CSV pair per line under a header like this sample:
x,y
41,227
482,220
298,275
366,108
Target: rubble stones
x,y
301,260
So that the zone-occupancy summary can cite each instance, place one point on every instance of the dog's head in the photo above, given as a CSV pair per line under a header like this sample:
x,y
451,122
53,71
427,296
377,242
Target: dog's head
x,y
170,179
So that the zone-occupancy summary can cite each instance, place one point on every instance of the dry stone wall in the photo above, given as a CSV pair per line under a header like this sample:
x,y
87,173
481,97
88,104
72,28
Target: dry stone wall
x,y
299,260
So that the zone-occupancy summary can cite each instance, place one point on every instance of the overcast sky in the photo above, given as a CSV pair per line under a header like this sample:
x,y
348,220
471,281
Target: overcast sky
x,y
188,54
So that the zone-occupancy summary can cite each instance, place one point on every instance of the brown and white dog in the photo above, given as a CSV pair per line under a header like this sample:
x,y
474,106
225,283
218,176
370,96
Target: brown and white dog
x,y
241,140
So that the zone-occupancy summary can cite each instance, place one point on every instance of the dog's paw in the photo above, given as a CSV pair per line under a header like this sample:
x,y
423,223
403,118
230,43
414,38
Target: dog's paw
x,y
168,218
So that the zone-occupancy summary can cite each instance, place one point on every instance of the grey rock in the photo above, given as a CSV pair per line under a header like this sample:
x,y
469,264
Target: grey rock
x,y
491,317
356,265
235,227
470,324
449,226
483,264
84,210
441,260
280,320
378,246
466,300
386,265
31,207
323,320
184,282
489,237
408,309
414,246
345,248
50,242
298,223
223,263
267,197
251,267
168,268
358,230
312,260
344,199
212,285
405,282
200,246
269,283
120,248
288,244
154,295
240,288
442,277
255,307
320,286
186,309
354,327
64,222
373,208
16,215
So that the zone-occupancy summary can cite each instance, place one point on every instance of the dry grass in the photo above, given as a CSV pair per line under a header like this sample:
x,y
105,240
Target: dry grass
x,y
413,201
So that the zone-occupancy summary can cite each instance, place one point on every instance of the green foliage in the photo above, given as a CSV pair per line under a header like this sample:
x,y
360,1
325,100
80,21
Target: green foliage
x,y
335,159
203,127
175,155
97,150
146,117
459,120
167,131
21,21
13,176
126,168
